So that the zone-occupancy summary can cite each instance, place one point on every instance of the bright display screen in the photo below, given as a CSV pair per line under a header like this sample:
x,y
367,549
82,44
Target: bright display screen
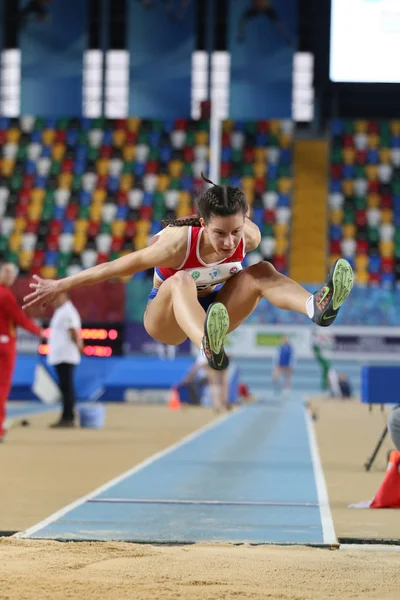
x,y
365,41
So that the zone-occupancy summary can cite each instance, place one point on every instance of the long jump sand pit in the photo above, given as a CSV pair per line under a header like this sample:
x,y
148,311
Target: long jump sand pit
x,y
44,469
54,570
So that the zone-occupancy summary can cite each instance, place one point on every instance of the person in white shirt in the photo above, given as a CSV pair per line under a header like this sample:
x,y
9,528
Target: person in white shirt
x,y
200,373
65,353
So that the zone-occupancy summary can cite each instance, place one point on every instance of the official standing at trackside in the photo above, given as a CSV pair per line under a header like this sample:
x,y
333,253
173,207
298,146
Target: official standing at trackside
x,y
284,361
11,317
65,353
200,374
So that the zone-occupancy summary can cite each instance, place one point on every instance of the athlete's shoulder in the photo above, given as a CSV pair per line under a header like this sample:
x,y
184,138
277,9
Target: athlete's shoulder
x,y
252,235
174,236
171,243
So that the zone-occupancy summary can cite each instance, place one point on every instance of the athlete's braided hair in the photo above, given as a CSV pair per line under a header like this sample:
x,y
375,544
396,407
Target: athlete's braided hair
x,y
219,200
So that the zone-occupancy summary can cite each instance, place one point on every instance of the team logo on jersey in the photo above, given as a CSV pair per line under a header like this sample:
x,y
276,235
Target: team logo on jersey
x,y
195,275
214,274
233,270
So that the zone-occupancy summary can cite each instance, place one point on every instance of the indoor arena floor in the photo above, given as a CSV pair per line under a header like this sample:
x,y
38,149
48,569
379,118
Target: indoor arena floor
x,y
201,501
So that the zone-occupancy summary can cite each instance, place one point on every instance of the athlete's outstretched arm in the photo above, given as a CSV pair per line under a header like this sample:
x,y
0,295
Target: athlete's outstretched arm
x,y
167,252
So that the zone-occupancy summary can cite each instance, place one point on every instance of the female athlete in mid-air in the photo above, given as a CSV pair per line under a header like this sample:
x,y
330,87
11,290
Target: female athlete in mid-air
x,y
201,290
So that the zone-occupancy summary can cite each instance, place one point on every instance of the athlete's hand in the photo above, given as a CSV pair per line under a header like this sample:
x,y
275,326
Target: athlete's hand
x,y
45,292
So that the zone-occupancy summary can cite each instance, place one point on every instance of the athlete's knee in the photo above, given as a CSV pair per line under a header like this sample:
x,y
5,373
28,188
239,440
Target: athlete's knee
x,y
264,270
182,279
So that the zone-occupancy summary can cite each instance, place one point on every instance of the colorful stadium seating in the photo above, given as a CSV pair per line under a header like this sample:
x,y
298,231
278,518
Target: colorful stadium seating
x,y
77,192
257,156
364,199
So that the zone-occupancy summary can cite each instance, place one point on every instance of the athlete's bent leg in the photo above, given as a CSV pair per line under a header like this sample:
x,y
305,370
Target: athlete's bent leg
x,y
278,289
243,292
175,313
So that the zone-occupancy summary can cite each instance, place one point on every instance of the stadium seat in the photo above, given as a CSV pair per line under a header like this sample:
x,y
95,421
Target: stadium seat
x,y
66,242
256,156
81,189
89,258
365,161
253,258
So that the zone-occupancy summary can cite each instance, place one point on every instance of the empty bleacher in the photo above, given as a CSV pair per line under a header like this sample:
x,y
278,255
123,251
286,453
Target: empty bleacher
x,y
78,192
364,199
257,156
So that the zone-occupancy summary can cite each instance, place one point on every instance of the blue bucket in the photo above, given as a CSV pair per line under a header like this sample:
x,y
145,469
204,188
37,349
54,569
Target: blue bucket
x,y
92,416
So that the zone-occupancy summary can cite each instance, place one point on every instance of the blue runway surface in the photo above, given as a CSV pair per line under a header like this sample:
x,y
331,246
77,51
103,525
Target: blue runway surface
x,y
250,477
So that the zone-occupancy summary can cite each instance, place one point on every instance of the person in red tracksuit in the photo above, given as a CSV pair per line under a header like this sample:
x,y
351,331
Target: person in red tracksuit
x,y
11,317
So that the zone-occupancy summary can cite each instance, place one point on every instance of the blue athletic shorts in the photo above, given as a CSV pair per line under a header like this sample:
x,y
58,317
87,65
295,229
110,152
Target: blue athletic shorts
x,y
204,301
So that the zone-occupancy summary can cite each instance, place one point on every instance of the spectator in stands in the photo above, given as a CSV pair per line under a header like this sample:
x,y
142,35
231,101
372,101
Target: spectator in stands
x,y
394,426
65,353
11,317
201,374
284,364
263,8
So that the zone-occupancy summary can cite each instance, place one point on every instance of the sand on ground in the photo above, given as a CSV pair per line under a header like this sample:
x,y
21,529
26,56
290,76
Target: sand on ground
x,y
119,571
44,469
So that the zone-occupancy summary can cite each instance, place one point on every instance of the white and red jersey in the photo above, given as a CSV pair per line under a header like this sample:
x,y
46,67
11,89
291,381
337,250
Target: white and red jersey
x,y
204,274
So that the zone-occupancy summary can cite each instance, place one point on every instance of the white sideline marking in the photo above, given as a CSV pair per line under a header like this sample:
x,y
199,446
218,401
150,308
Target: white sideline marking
x,y
328,529
370,547
103,488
